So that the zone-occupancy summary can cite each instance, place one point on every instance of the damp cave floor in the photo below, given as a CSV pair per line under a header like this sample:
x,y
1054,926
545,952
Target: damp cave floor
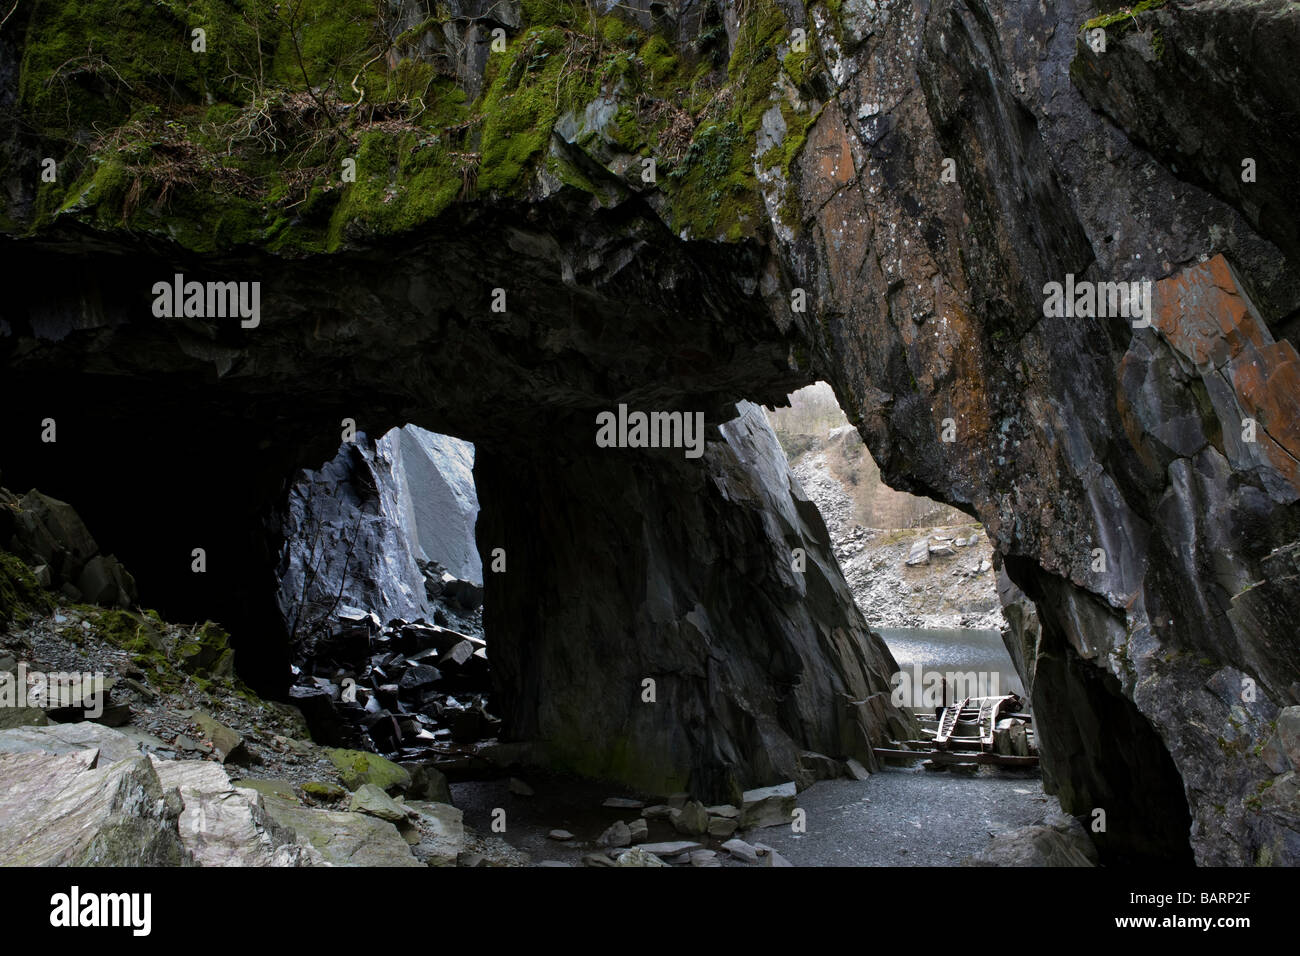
x,y
898,817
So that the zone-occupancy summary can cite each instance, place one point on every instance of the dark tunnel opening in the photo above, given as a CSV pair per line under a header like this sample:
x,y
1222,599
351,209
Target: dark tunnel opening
x,y
1101,756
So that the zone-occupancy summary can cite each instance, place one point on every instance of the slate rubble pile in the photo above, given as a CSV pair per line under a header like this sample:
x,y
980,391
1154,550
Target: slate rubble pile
x,y
411,690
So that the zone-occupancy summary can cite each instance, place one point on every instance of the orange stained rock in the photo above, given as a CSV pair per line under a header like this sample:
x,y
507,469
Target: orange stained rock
x,y
1206,315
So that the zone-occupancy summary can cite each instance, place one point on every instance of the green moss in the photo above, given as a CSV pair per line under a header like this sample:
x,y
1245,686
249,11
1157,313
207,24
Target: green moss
x,y
1124,16
551,12
330,40
1127,17
88,59
626,131
402,181
619,32
660,62
714,191
520,108
208,653
231,148
357,767
325,792
800,66
20,594
132,632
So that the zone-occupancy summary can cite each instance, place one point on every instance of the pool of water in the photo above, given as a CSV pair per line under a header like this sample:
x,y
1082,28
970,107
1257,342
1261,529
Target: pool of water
x,y
956,651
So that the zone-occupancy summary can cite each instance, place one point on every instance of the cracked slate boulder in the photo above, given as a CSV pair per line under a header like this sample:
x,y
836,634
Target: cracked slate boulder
x,y
341,838
68,810
223,825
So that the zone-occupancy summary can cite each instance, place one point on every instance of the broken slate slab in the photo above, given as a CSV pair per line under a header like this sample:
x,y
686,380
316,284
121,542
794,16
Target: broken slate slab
x,y
77,809
224,824
344,839
741,850
357,767
670,848
767,806
638,856
770,856
460,652
722,827
623,803
691,819
113,745
370,799
440,832
619,834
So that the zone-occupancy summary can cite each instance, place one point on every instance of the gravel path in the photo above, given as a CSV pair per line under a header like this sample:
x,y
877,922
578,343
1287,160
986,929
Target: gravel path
x,y
898,817
903,817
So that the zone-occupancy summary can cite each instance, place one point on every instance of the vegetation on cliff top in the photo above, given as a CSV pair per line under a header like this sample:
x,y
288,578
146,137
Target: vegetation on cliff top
x,y
303,124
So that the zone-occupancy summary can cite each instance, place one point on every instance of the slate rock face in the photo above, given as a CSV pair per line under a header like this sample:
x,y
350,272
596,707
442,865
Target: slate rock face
x,y
437,496
686,579
346,544
377,528
224,825
51,537
1239,57
1079,435
66,810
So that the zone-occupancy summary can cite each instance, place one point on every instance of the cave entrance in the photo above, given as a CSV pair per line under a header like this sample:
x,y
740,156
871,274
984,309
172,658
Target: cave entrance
x,y
923,575
921,571
625,564
380,587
